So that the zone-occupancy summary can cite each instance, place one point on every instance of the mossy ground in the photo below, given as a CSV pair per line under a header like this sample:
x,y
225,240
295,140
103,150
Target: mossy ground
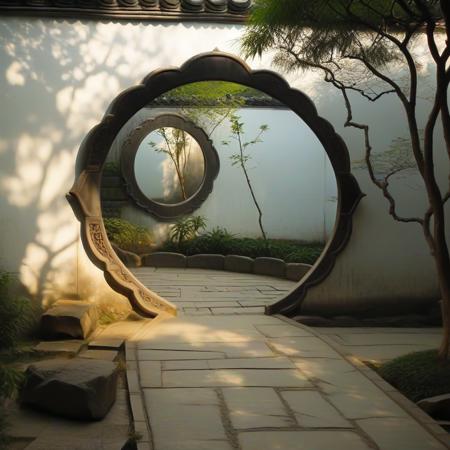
x,y
418,375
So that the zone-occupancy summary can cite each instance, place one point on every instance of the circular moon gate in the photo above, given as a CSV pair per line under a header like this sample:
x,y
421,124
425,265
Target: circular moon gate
x,y
84,196
127,165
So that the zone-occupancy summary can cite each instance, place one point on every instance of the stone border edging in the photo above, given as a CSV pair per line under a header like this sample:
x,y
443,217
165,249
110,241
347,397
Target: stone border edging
x,y
411,408
232,263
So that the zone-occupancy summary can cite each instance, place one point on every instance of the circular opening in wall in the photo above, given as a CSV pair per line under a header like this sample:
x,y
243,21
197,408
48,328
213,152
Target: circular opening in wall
x,y
214,67
169,166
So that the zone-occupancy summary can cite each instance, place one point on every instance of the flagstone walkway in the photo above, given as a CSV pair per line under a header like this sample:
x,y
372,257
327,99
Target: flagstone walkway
x,y
224,376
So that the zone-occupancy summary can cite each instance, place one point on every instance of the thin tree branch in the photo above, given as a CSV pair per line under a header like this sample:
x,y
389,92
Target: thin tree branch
x,y
382,185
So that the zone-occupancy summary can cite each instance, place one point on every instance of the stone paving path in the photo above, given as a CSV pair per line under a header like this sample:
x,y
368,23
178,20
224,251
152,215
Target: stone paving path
x,y
223,376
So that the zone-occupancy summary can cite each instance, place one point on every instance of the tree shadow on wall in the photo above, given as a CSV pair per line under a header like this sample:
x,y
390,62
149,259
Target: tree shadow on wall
x,y
57,80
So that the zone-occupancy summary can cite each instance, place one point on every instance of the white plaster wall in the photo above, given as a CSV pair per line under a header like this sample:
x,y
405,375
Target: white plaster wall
x,y
289,170
56,80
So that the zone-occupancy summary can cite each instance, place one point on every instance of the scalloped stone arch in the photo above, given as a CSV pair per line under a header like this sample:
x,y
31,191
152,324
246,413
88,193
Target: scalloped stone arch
x,y
215,66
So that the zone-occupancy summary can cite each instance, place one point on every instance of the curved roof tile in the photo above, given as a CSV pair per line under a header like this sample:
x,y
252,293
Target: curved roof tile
x,y
143,10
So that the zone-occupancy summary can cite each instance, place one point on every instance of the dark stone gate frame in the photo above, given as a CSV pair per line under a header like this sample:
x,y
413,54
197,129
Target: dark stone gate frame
x,y
167,212
84,196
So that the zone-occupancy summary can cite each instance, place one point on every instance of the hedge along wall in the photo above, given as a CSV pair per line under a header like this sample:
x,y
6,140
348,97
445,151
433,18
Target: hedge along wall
x,y
290,173
56,83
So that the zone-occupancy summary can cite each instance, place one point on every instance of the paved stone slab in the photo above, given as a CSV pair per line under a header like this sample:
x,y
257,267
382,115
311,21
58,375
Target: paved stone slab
x,y
247,310
122,330
231,363
185,365
335,376
235,377
167,355
197,311
256,408
313,411
381,338
321,368
395,434
106,343
239,349
384,352
150,373
183,330
357,403
302,440
282,330
303,347
252,363
186,419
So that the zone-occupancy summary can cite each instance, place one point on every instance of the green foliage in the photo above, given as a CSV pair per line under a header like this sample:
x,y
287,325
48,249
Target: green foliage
x,y
241,158
128,236
321,30
215,100
185,229
220,241
212,90
418,375
16,313
10,380
16,318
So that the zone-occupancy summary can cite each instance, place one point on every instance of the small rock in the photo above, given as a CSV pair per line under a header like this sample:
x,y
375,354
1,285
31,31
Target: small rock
x,y
296,271
164,259
213,262
70,347
273,267
74,388
236,263
72,318
130,259
437,407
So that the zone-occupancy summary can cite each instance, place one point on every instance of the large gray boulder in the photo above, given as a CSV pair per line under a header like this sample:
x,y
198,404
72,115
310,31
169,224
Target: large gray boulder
x,y
75,388
69,318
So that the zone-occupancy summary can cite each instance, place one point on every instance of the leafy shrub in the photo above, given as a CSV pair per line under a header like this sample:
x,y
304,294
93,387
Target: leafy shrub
x,y
16,317
418,375
220,241
186,228
16,313
10,380
128,236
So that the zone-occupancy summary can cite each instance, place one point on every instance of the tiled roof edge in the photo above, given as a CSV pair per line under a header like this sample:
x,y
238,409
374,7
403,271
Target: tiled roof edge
x,y
136,10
